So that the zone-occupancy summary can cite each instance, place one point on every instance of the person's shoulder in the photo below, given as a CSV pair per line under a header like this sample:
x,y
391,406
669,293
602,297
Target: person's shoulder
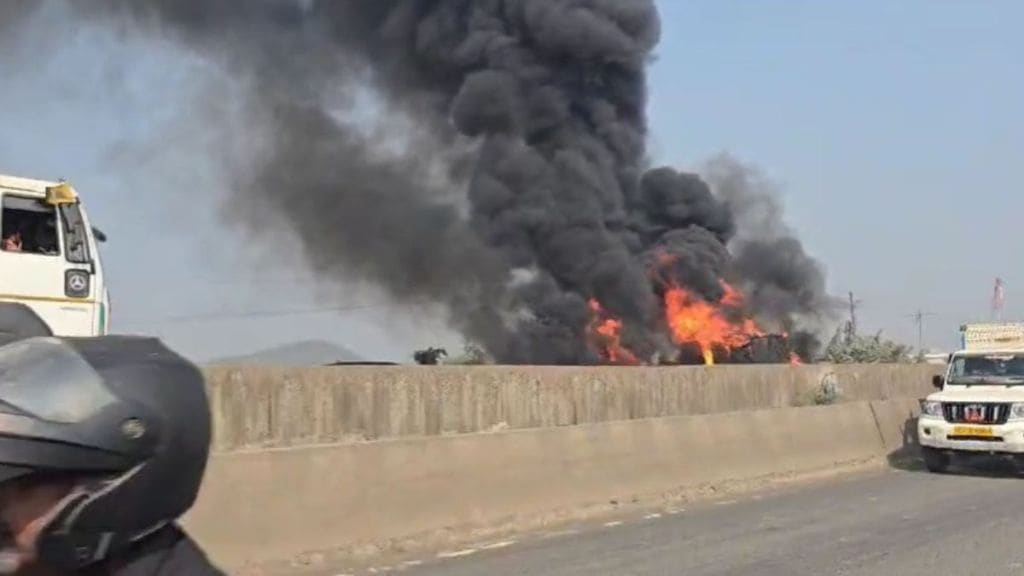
x,y
169,552
186,557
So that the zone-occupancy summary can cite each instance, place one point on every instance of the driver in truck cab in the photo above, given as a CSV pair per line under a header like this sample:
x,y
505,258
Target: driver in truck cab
x,y
12,242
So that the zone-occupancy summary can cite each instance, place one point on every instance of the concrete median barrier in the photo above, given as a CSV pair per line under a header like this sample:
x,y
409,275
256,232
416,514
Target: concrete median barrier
x,y
897,426
269,505
263,408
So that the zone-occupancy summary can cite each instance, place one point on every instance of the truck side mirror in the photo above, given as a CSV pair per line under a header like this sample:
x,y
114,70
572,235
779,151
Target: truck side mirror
x,y
938,381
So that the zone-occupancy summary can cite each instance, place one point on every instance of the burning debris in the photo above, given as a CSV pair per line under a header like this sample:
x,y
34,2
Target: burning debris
x,y
606,336
765,349
562,244
694,321
706,331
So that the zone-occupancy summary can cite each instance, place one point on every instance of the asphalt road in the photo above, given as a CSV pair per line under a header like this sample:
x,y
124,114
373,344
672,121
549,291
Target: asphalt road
x,y
901,522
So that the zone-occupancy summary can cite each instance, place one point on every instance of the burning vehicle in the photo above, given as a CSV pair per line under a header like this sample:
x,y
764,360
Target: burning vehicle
x,y
705,332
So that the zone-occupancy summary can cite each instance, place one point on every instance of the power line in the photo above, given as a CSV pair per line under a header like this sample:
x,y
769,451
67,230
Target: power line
x,y
261,280
269,313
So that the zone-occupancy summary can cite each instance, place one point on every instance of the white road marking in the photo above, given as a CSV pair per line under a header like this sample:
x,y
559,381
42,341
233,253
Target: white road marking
x,y
560,533
652,516
612,524
498,545
457,553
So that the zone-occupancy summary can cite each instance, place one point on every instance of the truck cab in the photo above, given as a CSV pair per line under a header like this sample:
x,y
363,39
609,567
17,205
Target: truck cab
x,y
49,257
979,408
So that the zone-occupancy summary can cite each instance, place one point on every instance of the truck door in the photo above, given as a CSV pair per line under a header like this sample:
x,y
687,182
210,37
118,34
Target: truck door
x,y
41,266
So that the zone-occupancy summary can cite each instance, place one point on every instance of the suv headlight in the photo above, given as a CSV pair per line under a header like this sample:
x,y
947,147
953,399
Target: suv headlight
x,y
1017,411
934,408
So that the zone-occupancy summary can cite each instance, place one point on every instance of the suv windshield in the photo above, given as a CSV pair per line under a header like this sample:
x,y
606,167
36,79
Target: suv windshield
x,y
988,368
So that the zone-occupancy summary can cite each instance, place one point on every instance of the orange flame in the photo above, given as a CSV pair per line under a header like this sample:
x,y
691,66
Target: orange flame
x,y
608,333
794,359
732,297
693,320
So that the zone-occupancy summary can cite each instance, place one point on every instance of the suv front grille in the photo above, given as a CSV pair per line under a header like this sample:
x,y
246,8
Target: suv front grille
x,y
975,412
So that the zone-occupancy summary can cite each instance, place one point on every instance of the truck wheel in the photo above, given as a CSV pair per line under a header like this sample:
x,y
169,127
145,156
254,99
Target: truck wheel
x,y
935,460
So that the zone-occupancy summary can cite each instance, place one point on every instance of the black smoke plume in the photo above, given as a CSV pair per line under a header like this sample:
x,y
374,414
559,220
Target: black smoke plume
x,y
14,12
508,176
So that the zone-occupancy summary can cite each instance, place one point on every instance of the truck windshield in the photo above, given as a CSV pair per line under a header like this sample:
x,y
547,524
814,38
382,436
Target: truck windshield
x,y
987,369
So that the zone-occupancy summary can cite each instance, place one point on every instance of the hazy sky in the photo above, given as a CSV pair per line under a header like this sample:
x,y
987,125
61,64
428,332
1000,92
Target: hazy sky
x,y
893,130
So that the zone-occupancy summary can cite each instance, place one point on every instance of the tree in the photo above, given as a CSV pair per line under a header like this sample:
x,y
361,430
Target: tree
x,y
846,348
472,355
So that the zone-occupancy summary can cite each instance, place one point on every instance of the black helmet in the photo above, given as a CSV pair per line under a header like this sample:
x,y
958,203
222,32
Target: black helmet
x,y
18,321
125,414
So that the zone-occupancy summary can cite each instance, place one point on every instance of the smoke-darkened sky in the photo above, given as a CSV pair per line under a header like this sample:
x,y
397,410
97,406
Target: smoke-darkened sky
x,y
851,136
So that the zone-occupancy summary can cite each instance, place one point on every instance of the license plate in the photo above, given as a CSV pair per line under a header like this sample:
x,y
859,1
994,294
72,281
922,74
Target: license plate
x,y
975,431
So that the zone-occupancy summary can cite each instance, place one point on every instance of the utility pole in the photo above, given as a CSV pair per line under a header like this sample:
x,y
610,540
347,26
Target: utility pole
x,y
918,318
998,300
851,329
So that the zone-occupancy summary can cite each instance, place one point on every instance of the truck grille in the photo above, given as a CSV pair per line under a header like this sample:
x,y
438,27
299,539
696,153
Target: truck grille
x,y
975,412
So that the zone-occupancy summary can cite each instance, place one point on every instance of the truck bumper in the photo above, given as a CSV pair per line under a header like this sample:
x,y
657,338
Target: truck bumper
x,y
937,433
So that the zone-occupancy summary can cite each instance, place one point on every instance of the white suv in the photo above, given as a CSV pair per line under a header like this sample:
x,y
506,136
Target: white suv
x,y
980,406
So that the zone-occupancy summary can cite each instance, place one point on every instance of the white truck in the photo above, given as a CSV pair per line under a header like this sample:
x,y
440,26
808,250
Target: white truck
x,y
49,257
979,409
